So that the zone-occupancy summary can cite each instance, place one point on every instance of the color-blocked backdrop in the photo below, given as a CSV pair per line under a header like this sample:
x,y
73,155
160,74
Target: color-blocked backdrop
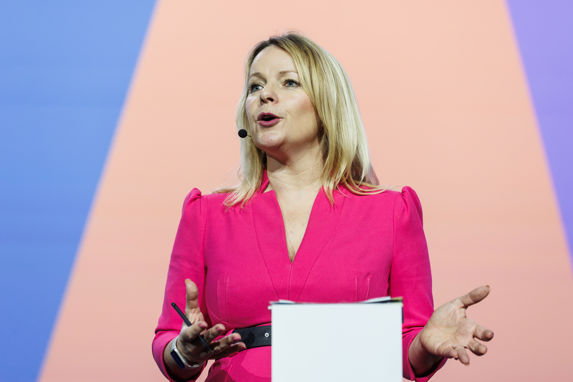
x,y
65,69
465,102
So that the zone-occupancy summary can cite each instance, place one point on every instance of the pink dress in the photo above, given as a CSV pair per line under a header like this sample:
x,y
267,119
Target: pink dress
x,y
361,247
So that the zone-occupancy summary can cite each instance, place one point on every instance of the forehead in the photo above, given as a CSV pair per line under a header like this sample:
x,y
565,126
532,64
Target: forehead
x,y
272,59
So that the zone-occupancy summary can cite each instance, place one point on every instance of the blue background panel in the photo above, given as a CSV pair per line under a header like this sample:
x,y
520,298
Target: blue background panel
x,y
65,68
544,30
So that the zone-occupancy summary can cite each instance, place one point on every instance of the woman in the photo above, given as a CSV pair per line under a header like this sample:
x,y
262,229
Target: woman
x,y
308,222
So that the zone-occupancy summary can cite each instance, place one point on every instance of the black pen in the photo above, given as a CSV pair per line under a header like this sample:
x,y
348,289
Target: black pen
x,y
188,323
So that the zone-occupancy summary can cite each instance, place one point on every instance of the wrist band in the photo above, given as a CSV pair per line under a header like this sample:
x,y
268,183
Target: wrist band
x,y
180,359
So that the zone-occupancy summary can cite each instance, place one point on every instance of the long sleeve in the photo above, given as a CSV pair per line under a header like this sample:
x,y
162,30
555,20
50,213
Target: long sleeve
x,y
187,261
410,275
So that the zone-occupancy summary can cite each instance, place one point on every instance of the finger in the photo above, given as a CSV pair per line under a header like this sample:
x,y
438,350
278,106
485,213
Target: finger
x,y
192,296
463,356
235,348
220,346
477,348
192,310
214,332
223,343
227,345
452,353
189,334
474,296
195,315
482,333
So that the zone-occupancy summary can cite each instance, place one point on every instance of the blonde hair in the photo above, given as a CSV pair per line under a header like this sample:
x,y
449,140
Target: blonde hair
x,y
343,141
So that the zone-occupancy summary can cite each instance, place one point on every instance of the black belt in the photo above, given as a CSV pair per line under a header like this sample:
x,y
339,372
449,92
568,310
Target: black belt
x,y
255,336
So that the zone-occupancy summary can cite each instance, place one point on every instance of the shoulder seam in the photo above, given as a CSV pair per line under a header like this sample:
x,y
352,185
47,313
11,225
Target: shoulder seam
x,y
204,202
393,238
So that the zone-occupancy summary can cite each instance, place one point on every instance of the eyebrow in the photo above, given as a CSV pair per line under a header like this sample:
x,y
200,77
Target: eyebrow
x,y
281,73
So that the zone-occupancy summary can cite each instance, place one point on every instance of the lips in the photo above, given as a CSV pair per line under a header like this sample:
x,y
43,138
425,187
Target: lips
x,y
268,119
266,116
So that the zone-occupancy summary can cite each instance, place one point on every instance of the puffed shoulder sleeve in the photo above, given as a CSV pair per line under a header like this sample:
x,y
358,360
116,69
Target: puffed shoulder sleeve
x,y
186,262
410,275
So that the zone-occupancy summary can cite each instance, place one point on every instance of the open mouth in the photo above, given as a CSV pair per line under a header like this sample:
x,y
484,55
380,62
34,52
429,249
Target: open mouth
x,y
268,119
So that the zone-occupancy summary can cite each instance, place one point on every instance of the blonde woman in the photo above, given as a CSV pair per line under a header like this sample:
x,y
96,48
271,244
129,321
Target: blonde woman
x,y
308,222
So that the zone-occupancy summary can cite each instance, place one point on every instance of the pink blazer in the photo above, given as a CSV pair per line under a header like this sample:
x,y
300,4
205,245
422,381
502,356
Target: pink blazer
x,y
359,248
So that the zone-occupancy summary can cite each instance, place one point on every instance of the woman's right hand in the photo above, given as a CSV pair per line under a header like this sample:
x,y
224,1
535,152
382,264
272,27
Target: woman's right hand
x,y
189,343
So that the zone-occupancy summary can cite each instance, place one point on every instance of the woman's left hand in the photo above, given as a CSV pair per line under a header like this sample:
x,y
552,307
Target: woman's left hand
x,y
449,331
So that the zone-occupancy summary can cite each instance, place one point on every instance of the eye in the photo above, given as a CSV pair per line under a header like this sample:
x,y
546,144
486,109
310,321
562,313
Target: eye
x,y
254,87
291,83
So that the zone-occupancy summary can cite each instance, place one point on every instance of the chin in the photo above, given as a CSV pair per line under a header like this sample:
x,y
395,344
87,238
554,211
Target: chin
x,y
269,140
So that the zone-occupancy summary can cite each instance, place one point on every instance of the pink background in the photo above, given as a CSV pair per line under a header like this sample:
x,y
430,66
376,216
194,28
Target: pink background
x,y
447,111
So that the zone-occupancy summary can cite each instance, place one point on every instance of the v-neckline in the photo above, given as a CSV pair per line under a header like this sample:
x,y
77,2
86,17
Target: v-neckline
x,y
264,184
268,223
306,229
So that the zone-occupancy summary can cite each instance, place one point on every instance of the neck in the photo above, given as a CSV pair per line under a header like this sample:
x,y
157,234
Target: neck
x,y
302,173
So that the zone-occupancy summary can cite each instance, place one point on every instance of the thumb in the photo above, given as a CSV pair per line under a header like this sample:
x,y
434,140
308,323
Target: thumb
x,y
475,296
192,310
192,296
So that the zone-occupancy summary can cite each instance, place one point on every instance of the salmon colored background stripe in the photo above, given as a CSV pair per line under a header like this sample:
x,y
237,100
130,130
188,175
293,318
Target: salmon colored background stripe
x,y
445,104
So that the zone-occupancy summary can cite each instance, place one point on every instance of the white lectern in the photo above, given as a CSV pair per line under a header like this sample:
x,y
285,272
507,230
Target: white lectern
x,y
337,342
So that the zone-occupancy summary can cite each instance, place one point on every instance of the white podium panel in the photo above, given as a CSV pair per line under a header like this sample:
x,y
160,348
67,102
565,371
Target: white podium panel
x,y
337,342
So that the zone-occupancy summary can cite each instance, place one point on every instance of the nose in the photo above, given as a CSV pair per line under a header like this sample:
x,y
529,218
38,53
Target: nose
x,y
268,95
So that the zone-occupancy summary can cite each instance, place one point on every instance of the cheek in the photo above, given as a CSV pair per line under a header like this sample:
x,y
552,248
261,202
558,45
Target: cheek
x,y
306,112
304,105
248,110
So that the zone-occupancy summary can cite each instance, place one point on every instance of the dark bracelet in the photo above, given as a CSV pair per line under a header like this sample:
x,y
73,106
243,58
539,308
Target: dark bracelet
x,y
180,359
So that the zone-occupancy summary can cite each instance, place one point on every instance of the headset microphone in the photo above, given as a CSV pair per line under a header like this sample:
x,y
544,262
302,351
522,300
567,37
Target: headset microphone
x,y
243,133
